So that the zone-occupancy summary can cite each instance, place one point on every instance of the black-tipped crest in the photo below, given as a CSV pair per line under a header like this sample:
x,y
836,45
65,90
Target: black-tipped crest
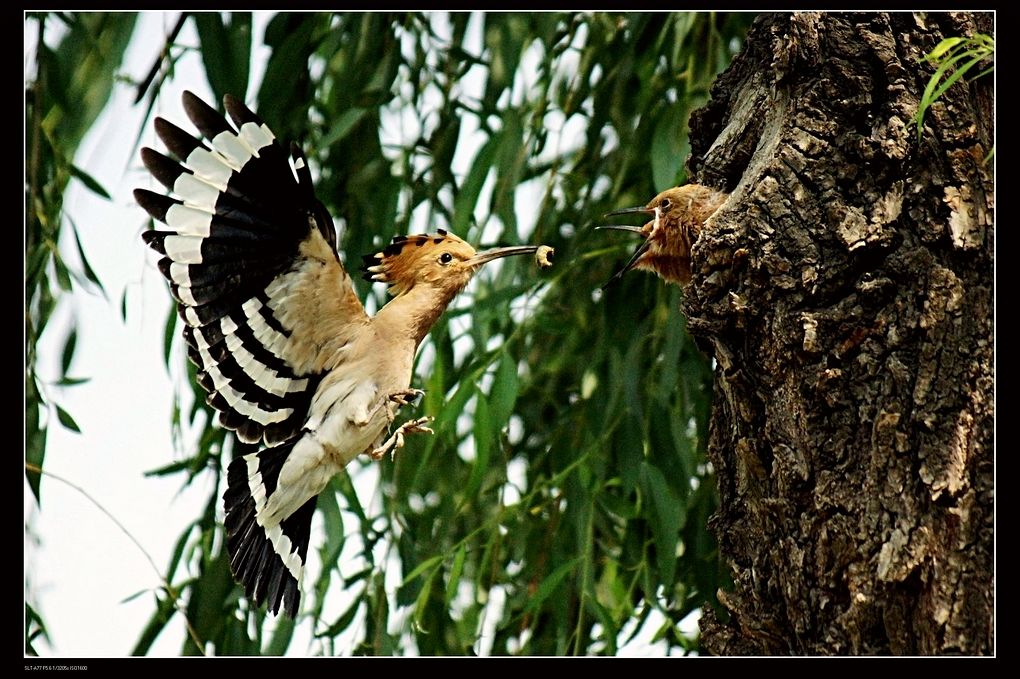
x,y
399,263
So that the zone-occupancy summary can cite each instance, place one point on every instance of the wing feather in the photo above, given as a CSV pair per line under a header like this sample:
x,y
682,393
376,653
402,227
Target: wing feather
x,y
250,256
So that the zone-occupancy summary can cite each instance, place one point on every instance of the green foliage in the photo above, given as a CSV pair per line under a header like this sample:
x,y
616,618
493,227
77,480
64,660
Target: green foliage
x,y
953,58
72,84
73,81
565,495
226,51
34,629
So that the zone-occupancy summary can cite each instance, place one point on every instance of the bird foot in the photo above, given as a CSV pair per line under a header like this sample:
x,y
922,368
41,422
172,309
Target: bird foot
x,y
396,439
407,397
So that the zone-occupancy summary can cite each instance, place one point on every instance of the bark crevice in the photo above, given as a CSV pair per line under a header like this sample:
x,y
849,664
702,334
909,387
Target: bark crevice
x,y
845,291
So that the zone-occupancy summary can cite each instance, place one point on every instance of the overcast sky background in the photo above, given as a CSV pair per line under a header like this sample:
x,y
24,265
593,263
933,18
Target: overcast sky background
x,y
83,566
79,564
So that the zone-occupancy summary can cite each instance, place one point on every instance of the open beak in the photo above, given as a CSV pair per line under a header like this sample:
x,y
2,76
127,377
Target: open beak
x,y
630,263
620,227
632,229
495,253
631,210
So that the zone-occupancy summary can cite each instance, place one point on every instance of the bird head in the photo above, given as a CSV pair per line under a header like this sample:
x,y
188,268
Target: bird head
x,y
677,216
440,260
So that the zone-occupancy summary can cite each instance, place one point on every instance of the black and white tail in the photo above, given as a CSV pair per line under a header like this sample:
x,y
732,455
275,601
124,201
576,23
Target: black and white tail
x,y
267,557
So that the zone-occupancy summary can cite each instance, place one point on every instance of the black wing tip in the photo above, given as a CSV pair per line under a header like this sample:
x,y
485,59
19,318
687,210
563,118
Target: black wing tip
x,y
190,99
194,106
207,119
142,196
164,127
156,205
165,170
149,155
154,239
164,265
179,142
238,111
282,432
246,430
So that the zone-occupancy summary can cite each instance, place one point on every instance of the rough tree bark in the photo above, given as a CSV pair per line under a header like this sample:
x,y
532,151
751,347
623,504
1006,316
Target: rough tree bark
x,y
845,291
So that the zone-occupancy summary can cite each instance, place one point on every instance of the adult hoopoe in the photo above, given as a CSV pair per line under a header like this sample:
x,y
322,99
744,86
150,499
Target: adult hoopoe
x,y
283,345
677,217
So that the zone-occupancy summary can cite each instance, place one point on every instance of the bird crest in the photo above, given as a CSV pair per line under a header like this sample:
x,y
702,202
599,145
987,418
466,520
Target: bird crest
x,y
416,258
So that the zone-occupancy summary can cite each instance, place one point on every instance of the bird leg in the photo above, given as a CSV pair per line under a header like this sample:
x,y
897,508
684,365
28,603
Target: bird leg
x,y
396,440
393,402
406,397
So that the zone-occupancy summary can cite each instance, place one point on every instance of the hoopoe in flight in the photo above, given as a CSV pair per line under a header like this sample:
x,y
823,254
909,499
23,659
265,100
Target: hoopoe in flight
x,y
283,345
677,217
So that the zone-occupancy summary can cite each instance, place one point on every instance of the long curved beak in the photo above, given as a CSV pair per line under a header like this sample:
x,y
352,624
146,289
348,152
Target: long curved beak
x,y
631,229
640,209
630,263
631,210
495,253
620,227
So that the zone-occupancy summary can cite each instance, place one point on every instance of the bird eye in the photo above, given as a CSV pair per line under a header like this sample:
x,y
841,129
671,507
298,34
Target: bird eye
x,y
445,258
665,204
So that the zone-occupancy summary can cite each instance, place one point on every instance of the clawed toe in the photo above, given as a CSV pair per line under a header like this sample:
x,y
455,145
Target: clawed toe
x,y
396,440
407,397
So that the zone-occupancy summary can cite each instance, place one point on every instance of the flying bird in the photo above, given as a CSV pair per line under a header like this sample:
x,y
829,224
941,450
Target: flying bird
x,y
283,345
678,215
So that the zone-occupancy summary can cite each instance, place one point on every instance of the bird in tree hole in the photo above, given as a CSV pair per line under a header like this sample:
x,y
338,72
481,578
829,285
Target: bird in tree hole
x,y
678,215
283,345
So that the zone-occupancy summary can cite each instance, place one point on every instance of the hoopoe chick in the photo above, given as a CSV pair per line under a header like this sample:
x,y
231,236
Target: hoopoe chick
x,y
677,217
283,345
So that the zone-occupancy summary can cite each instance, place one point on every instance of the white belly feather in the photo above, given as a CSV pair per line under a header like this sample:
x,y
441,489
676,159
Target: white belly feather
x,y
346,417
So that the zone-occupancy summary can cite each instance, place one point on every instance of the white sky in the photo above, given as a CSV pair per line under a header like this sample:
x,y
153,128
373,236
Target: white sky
x,y
80,564
85,566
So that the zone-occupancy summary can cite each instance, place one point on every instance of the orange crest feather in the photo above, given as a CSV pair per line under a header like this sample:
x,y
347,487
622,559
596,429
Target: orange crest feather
x,y
401,263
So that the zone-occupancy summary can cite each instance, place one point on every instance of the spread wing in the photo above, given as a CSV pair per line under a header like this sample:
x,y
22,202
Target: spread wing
x,y
250,256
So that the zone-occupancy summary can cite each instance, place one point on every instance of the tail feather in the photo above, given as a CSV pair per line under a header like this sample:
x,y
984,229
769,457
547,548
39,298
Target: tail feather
x,y
268,560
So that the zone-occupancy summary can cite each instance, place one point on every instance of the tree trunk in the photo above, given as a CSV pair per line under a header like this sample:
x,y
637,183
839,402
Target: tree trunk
x,y
845,292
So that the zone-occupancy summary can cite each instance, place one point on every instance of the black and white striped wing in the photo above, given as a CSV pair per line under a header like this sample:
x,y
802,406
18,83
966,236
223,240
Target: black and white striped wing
x,y
250,256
